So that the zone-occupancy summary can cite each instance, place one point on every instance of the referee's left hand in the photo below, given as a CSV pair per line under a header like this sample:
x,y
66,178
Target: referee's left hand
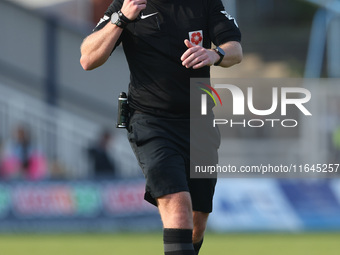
x,y
197,56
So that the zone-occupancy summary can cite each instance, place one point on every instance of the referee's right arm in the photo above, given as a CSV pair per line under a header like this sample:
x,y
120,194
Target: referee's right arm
x,y
97,47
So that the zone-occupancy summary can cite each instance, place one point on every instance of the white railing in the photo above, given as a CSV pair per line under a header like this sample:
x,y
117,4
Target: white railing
x,y
61,136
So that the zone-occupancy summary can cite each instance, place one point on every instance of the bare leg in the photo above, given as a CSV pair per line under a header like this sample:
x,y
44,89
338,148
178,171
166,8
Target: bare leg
x,y
176,210
200,223
177,216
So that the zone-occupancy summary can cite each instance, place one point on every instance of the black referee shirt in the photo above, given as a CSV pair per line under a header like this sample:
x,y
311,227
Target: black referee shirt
x,y
154,44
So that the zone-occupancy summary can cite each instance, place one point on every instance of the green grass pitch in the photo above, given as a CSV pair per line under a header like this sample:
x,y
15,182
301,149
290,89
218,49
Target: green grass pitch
x,y
151,244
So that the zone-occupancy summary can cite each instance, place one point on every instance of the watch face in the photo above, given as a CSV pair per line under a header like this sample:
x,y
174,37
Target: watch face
x,y
220,51
114,18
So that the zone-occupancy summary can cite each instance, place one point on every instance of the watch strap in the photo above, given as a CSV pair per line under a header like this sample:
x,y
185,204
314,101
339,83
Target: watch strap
x,y
221,53
122,20
123,17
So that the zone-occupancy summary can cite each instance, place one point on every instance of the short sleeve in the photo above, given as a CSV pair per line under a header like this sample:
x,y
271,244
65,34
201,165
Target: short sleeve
x,y
115,6
222,26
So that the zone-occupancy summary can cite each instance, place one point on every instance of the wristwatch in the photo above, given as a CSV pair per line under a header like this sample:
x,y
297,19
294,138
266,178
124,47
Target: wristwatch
x,y
119,19
221,53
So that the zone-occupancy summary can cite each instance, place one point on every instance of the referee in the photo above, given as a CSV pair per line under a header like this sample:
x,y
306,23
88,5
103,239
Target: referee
x,y
167,42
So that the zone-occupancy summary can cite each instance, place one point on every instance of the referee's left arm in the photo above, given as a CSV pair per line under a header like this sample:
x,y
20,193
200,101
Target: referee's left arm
x,y
223,32
197,56
233,54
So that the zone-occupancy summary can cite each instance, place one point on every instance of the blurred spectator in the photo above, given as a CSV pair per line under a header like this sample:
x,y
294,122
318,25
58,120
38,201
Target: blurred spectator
x,y
102,162
21,159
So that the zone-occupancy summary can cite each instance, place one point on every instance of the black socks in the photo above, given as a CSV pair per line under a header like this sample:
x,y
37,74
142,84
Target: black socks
x,y
178,242
197,246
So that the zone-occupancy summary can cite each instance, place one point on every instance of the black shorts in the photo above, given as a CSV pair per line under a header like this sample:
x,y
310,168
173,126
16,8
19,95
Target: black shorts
x,y
162,148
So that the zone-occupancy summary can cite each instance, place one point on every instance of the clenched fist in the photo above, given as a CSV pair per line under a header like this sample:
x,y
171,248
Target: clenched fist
x,y
132,8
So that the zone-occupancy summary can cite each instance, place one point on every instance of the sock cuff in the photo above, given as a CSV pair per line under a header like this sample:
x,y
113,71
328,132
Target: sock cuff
x,y
174,235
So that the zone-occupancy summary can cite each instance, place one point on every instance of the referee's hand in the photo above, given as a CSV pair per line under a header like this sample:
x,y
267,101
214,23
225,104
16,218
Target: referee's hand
x,y
132,8
197,56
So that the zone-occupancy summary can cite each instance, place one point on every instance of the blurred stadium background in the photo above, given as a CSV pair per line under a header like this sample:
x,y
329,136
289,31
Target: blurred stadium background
x,y
63,110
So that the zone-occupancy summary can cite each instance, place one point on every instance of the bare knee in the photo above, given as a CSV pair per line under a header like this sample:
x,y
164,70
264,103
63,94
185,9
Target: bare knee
x,y
175,210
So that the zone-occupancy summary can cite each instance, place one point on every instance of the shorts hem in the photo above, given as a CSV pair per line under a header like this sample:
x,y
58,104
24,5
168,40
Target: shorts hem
x,y
152,196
